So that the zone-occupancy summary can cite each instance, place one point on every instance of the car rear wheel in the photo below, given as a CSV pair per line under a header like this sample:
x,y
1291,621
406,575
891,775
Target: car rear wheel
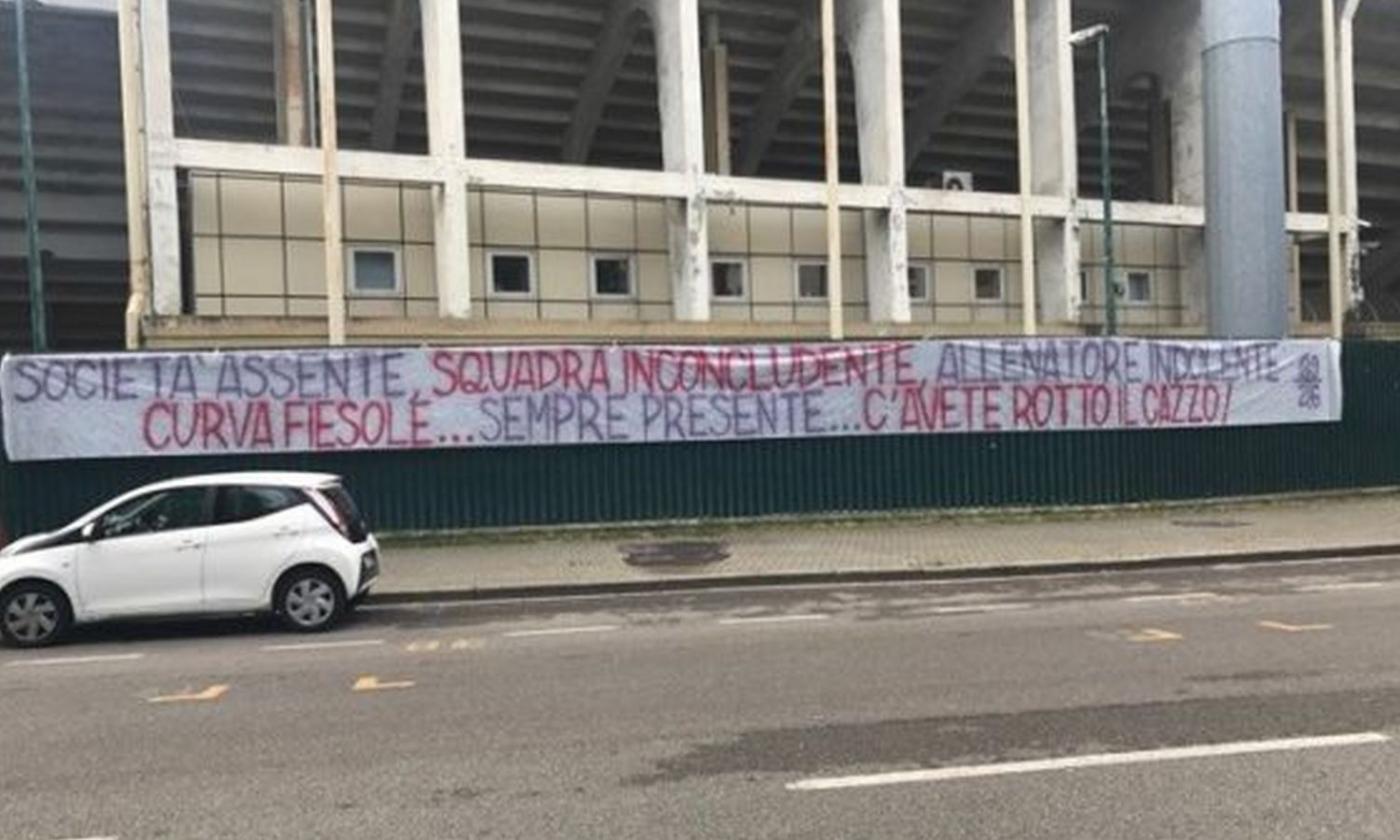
x,y
309,601
34,615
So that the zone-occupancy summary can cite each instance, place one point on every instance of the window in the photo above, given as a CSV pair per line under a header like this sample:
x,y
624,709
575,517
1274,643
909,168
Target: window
x,y
1083,286
1139,287
241,504
612,276
511,273
918,282
727,278
811,281
375,271
164,510
987,284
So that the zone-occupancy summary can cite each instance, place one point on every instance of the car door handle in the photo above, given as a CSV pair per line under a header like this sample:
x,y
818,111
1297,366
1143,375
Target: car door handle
x,y
187,545
286,531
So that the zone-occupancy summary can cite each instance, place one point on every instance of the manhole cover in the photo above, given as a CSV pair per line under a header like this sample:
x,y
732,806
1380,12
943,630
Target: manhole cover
x,y
670,554
1210,523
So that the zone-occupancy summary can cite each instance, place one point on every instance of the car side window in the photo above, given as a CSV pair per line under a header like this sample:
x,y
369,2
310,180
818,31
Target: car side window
x,y
242,504
153,513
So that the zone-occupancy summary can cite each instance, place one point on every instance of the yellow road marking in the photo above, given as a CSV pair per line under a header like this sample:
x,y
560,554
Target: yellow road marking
x,y
372,683
1152,634
423,647
213,692
1293,628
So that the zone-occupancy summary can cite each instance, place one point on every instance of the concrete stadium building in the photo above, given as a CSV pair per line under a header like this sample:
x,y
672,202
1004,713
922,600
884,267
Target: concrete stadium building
x,y
542,170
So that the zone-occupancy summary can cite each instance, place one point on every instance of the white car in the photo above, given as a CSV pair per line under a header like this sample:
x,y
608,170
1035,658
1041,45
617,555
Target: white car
x,y
290,543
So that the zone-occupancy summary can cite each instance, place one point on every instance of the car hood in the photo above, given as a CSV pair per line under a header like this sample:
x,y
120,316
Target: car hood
x,y
33,542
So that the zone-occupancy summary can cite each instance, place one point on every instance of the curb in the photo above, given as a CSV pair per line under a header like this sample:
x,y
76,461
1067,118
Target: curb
x,y
693,584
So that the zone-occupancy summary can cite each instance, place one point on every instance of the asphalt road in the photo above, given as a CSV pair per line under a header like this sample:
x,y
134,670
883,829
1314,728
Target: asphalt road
x,y
1212,703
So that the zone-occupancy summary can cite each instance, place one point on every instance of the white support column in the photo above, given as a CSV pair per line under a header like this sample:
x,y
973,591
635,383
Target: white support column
x,y
134,156
163,205
1054,159
717,146
680,91
289,50
1335,208
872,33
447,143
331,222
1346,72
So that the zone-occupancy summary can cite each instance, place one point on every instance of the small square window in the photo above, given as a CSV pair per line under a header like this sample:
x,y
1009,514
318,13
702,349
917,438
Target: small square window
x,y
612,276
727,278
987,284
1139,287
811,281
511,274
918,282
374,271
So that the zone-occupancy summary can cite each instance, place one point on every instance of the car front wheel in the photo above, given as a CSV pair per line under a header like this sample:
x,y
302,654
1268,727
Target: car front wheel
x,y
309,601
34,615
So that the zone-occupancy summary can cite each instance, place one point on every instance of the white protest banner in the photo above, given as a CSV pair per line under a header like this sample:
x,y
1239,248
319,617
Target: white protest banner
x,y
107,405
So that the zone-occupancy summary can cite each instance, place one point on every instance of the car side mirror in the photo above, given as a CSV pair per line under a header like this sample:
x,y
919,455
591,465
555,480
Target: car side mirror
x,y
90,532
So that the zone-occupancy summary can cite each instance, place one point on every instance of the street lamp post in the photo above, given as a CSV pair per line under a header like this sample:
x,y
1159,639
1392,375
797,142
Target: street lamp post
x,y
1098,35
38,327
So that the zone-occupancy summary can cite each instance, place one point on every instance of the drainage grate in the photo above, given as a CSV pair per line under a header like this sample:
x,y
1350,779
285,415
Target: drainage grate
x,y
671,554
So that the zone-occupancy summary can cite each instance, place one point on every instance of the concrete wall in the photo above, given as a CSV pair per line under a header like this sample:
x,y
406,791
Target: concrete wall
x,y
257,251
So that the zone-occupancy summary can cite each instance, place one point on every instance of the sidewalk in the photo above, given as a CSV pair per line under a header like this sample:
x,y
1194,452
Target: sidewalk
x,y
890,548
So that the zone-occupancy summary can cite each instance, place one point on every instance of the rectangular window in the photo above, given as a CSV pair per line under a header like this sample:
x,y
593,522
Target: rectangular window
x,y
511,273
987,284
918,282
1139,287
811,281
727,278
612,276
375,271
1083,286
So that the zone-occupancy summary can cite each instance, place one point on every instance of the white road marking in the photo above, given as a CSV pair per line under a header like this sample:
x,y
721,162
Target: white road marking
x,y
978,771
75,660
112,837
774,619
561,631
1175,596
355,643
1341,587
976,608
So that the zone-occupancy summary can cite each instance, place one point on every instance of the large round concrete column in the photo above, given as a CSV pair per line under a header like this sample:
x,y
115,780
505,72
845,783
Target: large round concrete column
x,y
1246,234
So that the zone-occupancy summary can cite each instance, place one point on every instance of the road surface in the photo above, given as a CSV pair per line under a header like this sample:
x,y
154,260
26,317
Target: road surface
x,y
1239,702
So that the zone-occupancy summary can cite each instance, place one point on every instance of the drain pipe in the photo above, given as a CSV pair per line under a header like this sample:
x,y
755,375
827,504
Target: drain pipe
x,y
134,158
1346,69
1246,238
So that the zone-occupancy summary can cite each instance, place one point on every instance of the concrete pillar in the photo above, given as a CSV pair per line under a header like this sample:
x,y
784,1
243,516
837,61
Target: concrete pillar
x,y
163,206
1159,139
680,89
289,49
872,35
1246,240
718,154
442,75
1054,156
1165,41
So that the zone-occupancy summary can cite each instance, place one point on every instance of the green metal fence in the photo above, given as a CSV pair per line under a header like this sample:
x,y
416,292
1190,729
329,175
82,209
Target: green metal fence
x,y
435,490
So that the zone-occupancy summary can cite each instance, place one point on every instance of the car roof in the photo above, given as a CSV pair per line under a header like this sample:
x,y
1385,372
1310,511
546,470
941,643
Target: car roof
x,y
264,479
